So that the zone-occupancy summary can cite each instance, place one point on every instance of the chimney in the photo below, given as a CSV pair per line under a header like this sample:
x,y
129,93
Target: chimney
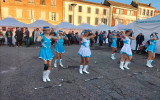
x,y
150,4
135,1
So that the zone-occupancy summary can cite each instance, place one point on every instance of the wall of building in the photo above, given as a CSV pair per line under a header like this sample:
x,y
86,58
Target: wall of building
x,y
84,13
32,11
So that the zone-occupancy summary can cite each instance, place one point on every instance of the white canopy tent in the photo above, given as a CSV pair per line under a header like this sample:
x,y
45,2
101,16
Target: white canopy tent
x,y
118,27
147,26
65,25
103,27
11,22
40,23
85,26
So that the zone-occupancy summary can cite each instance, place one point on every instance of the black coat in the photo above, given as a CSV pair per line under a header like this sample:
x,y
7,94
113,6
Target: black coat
x,y
139,39
19,35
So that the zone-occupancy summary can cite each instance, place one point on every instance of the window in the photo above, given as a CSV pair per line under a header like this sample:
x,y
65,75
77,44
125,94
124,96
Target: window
x,y
31,14
96,21
117,11
132,13
128,12
53,2
70,18
104,20
147,12
140,11
116,22
104,11
53,16
120,21
70,8
127,22
19,13
97,11
79,19
43,2
4,11
152,13
31,1
89,10
18,0
144,12
88,20
122,11
80,8
43,15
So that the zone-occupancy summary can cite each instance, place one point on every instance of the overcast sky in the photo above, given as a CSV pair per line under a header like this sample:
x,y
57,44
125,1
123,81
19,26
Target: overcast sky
x,y
155,3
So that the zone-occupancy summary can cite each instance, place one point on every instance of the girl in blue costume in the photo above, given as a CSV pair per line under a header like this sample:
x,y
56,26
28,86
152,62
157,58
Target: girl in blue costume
x,y
152,49
46,53
85,51
126,49
59,48
114,45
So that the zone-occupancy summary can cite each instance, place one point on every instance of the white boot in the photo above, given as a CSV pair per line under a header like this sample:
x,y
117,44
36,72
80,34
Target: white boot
x,y
113,56
149,63
44,76
121,65
80,69
85,69
126,65
61,63
55,63
47,75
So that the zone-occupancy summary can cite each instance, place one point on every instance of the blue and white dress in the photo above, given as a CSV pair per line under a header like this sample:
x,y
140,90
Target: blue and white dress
x,y
59,46
46,51
114,43
152,46
126,47
85,51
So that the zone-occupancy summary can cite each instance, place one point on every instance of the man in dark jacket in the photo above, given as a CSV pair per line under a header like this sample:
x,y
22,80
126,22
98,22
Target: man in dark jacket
x,y
26,37
139,40
9,35
19,37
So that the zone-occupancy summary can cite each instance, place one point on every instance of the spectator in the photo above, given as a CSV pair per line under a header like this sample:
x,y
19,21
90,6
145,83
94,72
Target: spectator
x,y
69,38
139,40
33,35
36,34
96,36
9,35
26,37
104,36
101,39
109,38
19,37
2,38
118,39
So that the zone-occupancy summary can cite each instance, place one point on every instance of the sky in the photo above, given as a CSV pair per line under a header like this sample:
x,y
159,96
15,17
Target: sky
x,y
155,3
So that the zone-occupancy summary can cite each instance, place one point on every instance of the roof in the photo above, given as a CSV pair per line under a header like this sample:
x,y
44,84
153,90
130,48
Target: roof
x,y
143,4
157,11
120,4
87,2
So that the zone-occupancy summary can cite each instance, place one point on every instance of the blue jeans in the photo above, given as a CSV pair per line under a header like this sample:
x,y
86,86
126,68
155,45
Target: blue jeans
x,y
27,42
37,43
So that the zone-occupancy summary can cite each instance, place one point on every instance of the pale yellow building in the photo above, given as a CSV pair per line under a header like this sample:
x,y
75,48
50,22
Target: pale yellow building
x,y
79,11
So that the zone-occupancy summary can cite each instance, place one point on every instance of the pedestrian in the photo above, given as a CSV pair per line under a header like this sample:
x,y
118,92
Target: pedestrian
x,y
2,38
59,48
118,39
110,35
139,40
36,35
46,53
152,49
19,37
100,39
26,36
114,45
85,51
126,49
9,35
96,37
104,36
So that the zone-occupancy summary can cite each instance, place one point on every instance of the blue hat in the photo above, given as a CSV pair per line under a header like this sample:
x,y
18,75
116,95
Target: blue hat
x,y
60,31
86,30
46,28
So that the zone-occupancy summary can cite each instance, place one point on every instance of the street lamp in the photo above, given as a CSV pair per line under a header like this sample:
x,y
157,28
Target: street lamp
x,y
73,5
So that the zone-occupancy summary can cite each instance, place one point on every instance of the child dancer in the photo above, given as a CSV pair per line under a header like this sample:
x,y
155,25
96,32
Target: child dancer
x,y
126,49
114,45
59,48
152,49
46,53
85,51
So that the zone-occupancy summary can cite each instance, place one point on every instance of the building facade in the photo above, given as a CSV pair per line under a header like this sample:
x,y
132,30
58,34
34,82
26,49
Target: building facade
x,y
79,11
144,11
121,13
157,12
28,11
